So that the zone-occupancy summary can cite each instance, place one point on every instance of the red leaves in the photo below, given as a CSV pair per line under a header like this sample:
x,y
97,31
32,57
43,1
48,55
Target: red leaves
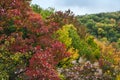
x,y
34,17
13,13
59,51
41,66
31,34
17,22
37,47
35,23
53,26
42,63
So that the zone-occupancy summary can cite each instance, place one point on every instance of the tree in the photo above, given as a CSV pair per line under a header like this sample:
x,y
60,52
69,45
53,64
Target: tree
x,y
43,12
25,38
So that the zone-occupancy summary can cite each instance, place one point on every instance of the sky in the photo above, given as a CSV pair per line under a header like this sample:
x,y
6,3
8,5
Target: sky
x,y
81,7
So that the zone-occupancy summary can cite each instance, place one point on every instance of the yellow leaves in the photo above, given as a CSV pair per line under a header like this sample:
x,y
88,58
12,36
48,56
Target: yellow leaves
x,y
61,76
116,58
64,35
7,43
118,77
104,47
109,52
16,56
75,56
74,53
99,24
113,21
4,55
12,40
100,30
67,61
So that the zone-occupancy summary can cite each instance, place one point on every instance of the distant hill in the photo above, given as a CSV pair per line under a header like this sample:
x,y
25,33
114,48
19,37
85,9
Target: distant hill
x,y
104,26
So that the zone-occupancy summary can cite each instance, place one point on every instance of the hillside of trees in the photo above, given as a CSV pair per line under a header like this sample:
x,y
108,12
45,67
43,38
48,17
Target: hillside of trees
x,y
44,44
103,25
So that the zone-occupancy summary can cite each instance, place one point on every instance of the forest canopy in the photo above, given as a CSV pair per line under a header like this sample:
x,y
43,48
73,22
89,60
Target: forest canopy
x,y
44,44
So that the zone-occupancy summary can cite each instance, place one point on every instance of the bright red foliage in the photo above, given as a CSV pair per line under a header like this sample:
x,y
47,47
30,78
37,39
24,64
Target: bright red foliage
x,y
41,68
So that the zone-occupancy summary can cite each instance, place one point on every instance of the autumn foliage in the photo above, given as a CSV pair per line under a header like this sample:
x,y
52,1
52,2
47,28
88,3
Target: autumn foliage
x,y
38,44
23,31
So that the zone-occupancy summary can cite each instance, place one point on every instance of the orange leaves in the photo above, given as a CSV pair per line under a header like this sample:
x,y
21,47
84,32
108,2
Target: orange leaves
x,y
33,17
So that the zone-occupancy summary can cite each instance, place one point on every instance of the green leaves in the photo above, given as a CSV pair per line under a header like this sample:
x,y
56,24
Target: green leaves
x,y
63,35
86,47
43,12
102,25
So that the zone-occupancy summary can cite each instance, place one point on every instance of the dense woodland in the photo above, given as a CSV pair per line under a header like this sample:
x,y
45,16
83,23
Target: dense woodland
x,y
44,44
103,25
